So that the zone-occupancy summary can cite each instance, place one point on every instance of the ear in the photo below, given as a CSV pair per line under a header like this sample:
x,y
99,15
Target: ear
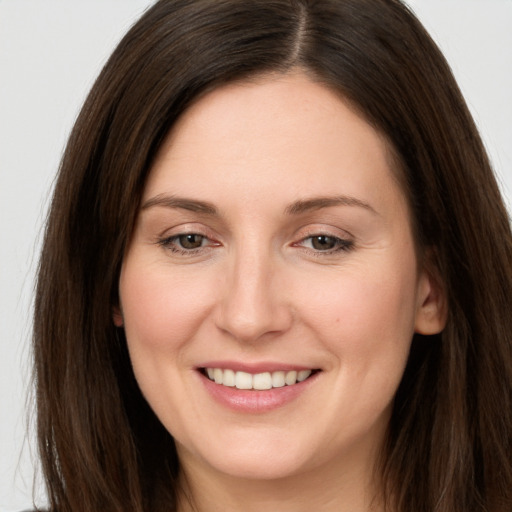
x,y
117,316
432,306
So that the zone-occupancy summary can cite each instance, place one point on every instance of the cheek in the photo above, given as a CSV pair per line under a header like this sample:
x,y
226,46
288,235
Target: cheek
x,y
161,311
365,314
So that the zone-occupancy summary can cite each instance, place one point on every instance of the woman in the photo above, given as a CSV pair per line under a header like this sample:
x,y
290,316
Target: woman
x,y
276,270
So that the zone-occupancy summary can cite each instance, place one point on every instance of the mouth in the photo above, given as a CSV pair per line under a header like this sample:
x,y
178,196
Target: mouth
x,y
256,381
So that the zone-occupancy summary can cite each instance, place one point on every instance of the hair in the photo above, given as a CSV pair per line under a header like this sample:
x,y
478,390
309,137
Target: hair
x,y
449,441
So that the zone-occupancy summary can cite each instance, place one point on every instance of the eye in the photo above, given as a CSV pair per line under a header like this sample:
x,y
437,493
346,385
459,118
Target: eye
x,y
326,243
190,240
323,242
186,243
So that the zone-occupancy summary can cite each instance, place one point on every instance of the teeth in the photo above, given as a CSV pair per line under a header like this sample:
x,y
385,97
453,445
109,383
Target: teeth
x,y
262,381
229,378
278,379
243,380
290,378
303,375
218,375
258,381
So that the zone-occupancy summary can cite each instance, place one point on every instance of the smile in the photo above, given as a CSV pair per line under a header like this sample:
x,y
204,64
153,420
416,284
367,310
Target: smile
x,y
259,381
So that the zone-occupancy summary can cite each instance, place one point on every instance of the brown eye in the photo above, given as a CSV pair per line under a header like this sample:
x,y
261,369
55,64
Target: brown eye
x,y
323,242
190,241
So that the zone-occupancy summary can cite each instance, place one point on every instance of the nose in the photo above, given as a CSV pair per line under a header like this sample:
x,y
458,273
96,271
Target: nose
x,y
253,303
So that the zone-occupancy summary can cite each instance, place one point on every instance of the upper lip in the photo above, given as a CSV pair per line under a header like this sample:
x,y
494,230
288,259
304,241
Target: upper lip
x,y
254,368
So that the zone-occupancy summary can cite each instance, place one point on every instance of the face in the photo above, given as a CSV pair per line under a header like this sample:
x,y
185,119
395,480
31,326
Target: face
x,y
271,288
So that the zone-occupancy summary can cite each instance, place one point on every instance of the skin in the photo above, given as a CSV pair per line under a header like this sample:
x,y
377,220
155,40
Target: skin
x,y
258,288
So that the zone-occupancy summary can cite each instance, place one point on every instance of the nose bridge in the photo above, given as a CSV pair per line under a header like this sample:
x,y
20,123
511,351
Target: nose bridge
x,y
252,303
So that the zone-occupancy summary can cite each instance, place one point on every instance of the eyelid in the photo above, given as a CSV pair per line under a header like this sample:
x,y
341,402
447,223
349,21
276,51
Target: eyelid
x,y
171,245
184,228
170,236
344,241
341,244
325,230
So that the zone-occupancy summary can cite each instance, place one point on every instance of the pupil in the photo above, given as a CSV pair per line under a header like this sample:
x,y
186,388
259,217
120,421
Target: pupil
x,y
191,241
323,242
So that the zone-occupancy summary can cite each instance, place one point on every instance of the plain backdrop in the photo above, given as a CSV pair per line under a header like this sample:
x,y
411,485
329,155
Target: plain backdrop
x,y
50,53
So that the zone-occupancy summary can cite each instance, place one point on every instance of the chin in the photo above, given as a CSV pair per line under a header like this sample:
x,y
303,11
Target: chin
x,y
254,459
261,468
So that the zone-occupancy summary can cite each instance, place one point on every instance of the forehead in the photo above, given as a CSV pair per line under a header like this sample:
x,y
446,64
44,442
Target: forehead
x,y
284,130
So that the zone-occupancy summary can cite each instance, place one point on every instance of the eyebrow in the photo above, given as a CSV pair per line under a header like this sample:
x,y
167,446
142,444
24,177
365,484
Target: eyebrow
x,y
317,203
296,208
192,205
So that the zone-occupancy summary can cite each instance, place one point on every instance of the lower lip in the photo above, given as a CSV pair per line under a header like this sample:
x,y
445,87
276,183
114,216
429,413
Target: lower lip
x,y
251,401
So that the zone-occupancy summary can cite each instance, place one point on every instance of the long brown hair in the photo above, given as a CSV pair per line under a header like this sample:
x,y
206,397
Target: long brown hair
x,y
449,442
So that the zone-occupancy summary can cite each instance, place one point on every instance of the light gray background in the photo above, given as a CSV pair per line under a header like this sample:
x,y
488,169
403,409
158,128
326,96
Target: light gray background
x,y
50,53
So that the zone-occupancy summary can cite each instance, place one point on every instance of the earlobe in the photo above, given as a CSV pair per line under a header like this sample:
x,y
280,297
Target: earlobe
x,y
117,316
432,308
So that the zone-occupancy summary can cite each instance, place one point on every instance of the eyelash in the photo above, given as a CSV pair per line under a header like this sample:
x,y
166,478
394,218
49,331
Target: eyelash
x,y
171,243
340,244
